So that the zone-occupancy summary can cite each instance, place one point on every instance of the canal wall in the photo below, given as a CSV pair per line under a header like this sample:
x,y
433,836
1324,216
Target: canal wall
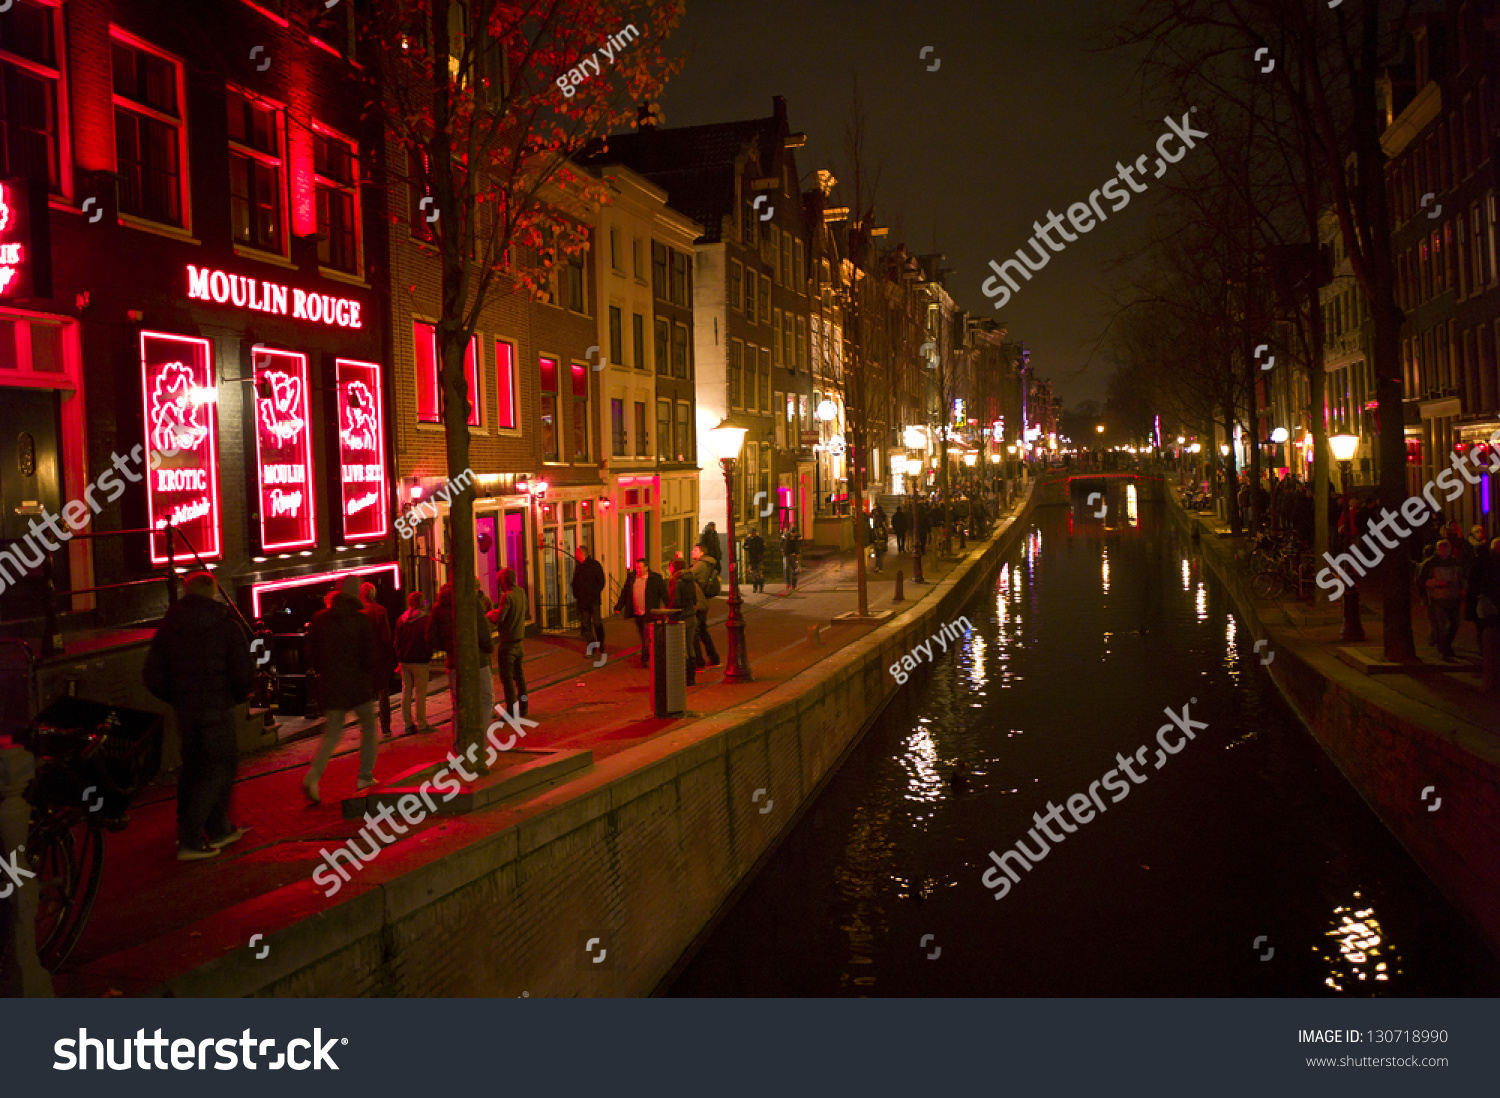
x,y
634,858
1390,747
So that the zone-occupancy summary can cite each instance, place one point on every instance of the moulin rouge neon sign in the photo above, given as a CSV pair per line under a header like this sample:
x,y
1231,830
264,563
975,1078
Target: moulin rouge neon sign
x,y
182,488
264,296
284,450
362,450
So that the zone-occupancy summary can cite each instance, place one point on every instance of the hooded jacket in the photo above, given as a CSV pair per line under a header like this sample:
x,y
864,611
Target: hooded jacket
x,y
341,649
199,661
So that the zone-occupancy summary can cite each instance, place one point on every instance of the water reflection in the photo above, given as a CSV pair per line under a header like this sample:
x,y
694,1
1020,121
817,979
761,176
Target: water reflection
x,y
1361,944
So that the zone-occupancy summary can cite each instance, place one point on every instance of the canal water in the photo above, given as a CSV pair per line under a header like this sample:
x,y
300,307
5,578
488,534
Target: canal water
x,y
1244,865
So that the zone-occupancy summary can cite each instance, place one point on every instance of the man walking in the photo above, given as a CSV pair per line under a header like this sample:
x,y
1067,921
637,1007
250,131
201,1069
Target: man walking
x,y
415,654
644,592
705,573
385,652
341,649
199,663
1441,581
683,596
510,619
791,544
588,586
755,559
900,522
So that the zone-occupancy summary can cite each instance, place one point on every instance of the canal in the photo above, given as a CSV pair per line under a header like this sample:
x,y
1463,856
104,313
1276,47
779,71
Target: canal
x,y
1244,865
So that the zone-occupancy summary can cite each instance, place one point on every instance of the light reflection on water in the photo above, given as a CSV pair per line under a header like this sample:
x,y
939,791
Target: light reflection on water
x,y
1360,945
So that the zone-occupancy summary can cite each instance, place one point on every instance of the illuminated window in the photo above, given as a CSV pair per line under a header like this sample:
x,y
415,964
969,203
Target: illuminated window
x,y
580,412
429,392
505,383
338,203
548,370
29,86
255,173
149,133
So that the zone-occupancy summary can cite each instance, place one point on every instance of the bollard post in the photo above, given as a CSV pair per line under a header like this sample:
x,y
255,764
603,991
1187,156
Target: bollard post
x,y
21,972
815,635
900,595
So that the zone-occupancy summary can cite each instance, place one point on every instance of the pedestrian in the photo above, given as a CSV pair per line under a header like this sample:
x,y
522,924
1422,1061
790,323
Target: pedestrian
x,y
900,523
1441,581
510,619
705,572
755,559
588,587
414,654
385,652
922,525
341,649
791,545
199,663
440,634
709,542
682,596
643,592
881,538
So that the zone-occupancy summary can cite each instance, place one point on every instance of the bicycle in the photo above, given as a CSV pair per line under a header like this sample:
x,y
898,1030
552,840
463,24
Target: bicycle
x,y
1291,565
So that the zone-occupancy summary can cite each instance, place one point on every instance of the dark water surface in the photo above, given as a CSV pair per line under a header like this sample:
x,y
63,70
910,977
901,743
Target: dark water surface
x,y
1086,635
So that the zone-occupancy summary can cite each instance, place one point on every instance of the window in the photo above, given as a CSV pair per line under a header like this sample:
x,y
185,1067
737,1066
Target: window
x,y
1481,273
29,83
663,430
786,260
638,341
429,390
680,280
149,136
1462,260
616,257
780,424
505,383
1489,245
663,348
686,450
749,215
548,369
1439,264
338,203
616,336
680,366
735,358
736,277
617,426
572,283
765,300
750,281
416,214
765,379
255,173
776,271
580,411
776,338
799,269
802,353
788,349
638,258
659,270
642,433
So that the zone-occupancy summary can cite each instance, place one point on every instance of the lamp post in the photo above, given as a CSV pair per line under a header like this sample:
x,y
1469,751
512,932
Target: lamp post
x,y
728,438
1343,447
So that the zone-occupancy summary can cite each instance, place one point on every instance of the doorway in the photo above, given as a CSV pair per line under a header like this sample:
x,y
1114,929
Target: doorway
x,y
30,480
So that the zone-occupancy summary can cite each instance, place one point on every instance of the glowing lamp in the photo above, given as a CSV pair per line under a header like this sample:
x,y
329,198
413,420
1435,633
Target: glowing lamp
x,y
1100,429
539,488
914,438
728,438
1224,449
1180,440
994,459
1280,435
416,491
970,459
1343,447
828,411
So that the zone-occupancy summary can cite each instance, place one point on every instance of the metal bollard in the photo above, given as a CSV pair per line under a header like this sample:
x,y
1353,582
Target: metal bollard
x,y
900,579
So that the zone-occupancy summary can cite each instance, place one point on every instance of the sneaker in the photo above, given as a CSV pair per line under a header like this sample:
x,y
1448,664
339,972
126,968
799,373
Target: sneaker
x,y
196,853
228,840
386,732
310,787
363,783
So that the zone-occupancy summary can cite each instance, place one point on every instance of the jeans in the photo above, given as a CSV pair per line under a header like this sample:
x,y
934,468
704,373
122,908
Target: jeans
x,y
513,677
643,627
701,641
789,570
1444,615
333,731
210,754
591,625
900,541
414,685
383,699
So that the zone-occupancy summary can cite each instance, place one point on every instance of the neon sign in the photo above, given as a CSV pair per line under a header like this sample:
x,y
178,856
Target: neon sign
x,y
264,296
13,252
283,450
182,476
363,491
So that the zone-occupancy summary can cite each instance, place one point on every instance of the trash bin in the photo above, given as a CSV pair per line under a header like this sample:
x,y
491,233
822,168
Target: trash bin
x,y
668,664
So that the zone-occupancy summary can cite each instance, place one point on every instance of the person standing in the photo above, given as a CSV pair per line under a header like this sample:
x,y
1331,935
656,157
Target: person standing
x,y
755,559
199,663
705,572
900,523
709,543
510,619
1441,581
414,653
644,592
682,596
588,586
341,649
880,538
385,652
791,544
440,635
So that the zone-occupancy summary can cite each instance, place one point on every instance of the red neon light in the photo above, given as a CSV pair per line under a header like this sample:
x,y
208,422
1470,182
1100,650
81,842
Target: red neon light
x,y
265,296
182,476
364,492
12,254
322,577
283,450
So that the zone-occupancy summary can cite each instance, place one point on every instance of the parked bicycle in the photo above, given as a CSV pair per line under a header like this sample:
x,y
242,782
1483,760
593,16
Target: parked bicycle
x,y
1290,564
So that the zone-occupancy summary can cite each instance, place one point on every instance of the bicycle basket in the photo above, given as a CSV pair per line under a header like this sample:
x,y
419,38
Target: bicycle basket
x,y
120,748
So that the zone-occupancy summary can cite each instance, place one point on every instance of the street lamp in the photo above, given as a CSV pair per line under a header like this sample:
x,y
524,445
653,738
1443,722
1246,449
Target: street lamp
x,y
1343,447
728,439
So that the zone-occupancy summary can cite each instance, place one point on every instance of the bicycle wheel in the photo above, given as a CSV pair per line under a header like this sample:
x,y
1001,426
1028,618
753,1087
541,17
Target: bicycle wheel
x,y
88,871
1266,585
49,849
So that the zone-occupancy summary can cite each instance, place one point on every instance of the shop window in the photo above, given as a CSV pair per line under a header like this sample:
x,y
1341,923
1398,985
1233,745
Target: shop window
x,y
580,412
548,371
663,348
337,182
680,352
429,393
664,430
255,173
617,426
30,83
687,451
505,383
638,341
149,134
642,431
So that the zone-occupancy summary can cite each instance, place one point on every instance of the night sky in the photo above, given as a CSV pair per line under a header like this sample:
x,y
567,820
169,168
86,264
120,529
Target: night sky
x,y
1024,114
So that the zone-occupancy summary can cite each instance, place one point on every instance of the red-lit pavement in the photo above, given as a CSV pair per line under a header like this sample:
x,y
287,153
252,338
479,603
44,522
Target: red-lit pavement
x,y
135,939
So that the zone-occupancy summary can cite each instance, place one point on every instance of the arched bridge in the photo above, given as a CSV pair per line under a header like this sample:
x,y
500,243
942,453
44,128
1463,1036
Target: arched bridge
x,y
1060,487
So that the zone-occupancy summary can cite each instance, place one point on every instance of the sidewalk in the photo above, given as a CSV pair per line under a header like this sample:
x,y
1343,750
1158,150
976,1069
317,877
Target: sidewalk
x,y
148,898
